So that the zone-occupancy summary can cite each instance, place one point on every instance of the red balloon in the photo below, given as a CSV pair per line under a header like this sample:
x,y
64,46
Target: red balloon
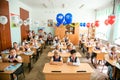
x,y
96,23
111,19
106,22
92,24
88,25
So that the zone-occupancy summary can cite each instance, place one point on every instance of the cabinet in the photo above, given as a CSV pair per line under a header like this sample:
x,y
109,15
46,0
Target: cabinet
x,y
72,30
69,29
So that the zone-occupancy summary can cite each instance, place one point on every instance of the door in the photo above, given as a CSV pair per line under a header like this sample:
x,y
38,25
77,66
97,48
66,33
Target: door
x,y
24,14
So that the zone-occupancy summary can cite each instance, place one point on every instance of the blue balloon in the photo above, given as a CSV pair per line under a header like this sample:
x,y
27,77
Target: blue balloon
x,y
58,24
68,18
84,24
81,24
64,23
60,18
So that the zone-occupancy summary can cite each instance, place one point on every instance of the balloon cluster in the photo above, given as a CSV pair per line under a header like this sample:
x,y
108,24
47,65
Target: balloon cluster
x,y
61,19
88,25
110,20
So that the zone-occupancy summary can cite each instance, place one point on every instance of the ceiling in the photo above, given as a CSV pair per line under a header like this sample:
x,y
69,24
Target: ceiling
x,y
53,4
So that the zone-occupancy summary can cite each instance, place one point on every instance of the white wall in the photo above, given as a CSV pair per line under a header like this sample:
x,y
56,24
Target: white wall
x,y
79,15
14,7
42,15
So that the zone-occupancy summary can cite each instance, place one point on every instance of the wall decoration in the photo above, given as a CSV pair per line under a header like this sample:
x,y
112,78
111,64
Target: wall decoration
x,y
14,20
50,23
3,20
61,19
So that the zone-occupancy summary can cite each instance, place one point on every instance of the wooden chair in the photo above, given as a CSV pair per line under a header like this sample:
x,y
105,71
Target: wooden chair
x,y
100,57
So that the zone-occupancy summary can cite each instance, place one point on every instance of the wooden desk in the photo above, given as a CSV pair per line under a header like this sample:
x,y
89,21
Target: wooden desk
x,y
100,55
67,72
63,47
116,66
27,58
64,55
6,75
112,62
90,48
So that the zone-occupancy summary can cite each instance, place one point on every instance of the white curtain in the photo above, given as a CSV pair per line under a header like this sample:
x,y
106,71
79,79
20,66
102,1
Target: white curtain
x,y
103,30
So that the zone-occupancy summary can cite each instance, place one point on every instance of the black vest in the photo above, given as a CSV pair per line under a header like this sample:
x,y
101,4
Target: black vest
x,y
57,40
71,60
11,57
57,60
98,48
66,40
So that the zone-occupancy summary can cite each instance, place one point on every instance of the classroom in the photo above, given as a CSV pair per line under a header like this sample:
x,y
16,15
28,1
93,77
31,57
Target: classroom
x,y
59,40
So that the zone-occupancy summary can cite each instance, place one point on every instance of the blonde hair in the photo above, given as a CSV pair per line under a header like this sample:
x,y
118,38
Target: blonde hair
x,y
56,52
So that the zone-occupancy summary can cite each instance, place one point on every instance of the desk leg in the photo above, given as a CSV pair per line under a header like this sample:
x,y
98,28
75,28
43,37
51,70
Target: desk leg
x,y
29,64
114,72
12,78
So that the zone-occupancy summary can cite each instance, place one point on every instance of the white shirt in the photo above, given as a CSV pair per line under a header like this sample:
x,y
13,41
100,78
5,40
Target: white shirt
x,y
45,37
18,57
77,63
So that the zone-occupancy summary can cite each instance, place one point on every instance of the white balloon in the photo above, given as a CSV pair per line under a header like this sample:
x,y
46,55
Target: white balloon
x,y
20,22
25,23
3,20
29,21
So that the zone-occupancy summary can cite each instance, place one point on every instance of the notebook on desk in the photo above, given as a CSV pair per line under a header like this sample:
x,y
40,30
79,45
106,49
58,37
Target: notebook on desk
x,y
13,67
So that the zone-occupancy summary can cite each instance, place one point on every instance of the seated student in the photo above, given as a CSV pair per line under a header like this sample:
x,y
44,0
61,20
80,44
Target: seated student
x,y
36,36
73,60
56,40
68,42
56,59
24,41
82,40
13,57
113,53
94,55
69,48
112,56
32,42
35,43
108,47
57,48
65,39
27,47
40,40
15,45
50,39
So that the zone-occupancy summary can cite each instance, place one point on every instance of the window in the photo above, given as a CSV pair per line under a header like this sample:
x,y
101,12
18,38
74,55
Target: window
x,y
103,30
117,26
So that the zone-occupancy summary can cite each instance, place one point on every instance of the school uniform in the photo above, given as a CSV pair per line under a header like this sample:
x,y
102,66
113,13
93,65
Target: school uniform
x,y
94,55
11,58
59,59
75,61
